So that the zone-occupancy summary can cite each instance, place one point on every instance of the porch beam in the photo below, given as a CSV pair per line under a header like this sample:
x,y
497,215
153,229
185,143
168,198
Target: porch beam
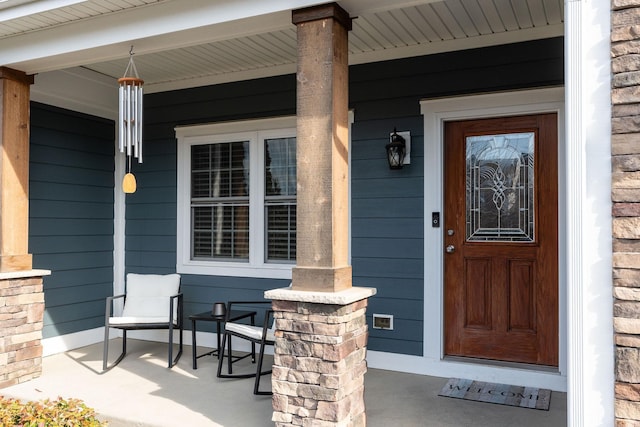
x,y
163,26
14,170
322,149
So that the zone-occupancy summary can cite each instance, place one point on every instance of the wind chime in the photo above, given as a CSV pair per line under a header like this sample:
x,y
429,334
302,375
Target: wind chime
x,y
130,119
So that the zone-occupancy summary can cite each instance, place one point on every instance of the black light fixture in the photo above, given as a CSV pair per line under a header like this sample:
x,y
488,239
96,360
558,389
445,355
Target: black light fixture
x,y
396,150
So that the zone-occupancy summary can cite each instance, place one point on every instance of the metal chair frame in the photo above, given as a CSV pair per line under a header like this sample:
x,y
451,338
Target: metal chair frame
x,y
263,342
175,299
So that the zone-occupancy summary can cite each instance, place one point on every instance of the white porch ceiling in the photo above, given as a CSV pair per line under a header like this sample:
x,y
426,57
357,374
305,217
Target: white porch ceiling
x,y
257,46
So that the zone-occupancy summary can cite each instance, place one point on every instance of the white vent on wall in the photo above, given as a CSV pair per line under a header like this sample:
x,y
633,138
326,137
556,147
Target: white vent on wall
x,y
382,321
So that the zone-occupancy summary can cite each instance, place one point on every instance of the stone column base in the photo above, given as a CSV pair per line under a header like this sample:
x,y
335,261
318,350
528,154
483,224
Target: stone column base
x,y
21,321
319,357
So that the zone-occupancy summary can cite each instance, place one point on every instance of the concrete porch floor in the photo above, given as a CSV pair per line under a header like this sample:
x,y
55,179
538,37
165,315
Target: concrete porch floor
x,y
142,392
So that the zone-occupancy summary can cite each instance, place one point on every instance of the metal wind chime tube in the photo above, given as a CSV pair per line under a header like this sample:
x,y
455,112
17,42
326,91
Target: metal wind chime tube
x,y
130,115
130,120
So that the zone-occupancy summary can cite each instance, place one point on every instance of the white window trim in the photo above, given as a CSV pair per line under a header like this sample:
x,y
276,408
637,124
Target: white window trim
x,y
436,112
254,131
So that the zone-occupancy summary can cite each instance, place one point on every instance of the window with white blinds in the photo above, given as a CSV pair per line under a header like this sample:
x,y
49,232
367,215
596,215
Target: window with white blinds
x,y
237,198
220,200
280,199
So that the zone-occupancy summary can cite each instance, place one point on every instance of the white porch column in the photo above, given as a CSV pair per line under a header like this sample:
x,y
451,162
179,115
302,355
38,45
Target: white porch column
x,y
588,270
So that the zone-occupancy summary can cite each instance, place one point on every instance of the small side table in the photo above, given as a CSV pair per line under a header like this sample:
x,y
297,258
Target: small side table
x,y
208,316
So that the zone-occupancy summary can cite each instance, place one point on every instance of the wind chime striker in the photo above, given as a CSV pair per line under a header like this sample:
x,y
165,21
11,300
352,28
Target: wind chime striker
x,y
130,119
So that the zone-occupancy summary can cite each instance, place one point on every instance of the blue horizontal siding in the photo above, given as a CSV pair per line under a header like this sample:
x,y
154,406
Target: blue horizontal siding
x,y
155,179
390,268
391,206
76,161
373,131
77,192
389,345
87,276
391,248
152,242
386,206
384,187
387,222
141,229
151,195
398,287
77,260
63,174
70,210
529,64
159,258
74,295
71,215
404,308
70,318
390,227
157,163
51,226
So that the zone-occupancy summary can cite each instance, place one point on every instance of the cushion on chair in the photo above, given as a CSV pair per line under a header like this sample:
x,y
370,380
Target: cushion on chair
x,y
254,332
148,298
132,320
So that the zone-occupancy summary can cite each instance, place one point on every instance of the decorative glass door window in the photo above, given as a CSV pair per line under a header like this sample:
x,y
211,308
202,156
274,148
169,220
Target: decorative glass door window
x,y
499,187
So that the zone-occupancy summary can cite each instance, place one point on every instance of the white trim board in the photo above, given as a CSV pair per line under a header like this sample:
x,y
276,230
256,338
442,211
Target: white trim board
x,y
590,400
436,112
420,365
119,228
78,89
62,343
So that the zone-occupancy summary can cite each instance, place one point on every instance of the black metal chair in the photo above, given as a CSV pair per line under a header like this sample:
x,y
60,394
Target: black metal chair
x,y
151,301
261,335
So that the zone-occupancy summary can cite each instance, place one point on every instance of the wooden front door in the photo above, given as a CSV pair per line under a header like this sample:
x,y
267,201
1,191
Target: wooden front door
x,y
501,239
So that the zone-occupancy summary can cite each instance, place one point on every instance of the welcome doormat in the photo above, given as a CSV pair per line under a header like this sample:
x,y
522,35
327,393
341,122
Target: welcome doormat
x,y
501,394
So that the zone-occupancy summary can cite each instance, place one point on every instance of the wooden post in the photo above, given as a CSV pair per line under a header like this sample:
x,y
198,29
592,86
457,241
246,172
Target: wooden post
x,y
322,149
14,170
321,329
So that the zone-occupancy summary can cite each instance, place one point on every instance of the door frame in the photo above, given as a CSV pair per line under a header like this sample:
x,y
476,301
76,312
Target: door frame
x,y
435,113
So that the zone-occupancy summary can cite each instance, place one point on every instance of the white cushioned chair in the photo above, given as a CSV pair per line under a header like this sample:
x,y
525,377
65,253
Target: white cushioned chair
x,y
151,301
262,335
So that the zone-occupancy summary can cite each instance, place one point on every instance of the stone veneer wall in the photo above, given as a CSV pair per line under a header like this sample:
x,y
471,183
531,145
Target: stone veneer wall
x,y
625,141
21,319
319,364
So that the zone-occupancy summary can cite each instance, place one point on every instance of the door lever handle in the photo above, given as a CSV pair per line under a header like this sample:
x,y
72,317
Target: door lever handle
x,y
450,249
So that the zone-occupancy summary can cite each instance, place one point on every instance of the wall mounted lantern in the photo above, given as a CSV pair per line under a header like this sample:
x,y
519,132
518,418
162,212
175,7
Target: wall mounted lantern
x,y
130,120
399,149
